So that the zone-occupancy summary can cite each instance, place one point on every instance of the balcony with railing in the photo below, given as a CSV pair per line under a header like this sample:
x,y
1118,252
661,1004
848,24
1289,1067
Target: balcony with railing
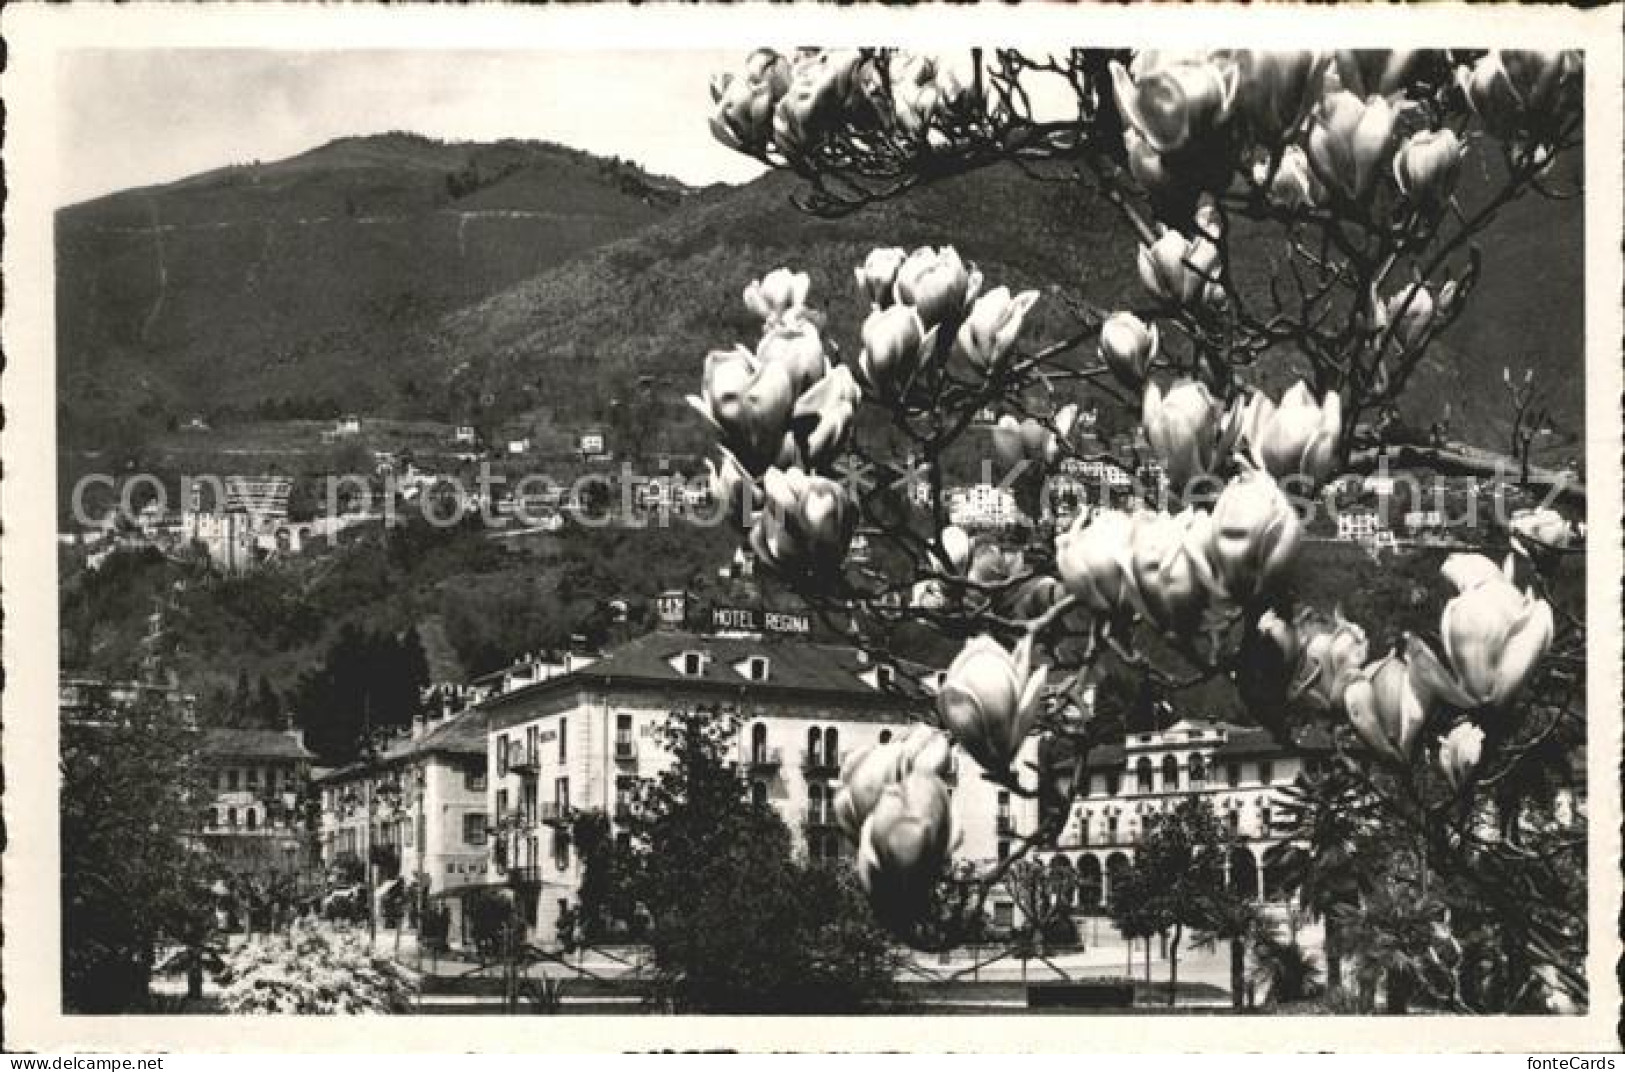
x,y
553,812
763,759
821,762
1005,825
820,817
524,762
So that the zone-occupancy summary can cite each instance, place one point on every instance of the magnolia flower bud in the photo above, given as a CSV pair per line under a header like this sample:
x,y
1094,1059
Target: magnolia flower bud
x,y
1350,142
1252,538
748,401
1162,561
1379,72
1298,438
1385,711
732,486
1330,652
779,292
1468,571
878,274
1293,185
1265,668
1410,312
743,120
795,343
1178,271
1029,440
1128,346
1513,92
806,524
1540,534
990,700
1188,429
1427,165
1460,752
937,284
1092,561
992,325
1173,105
1277,89
822,418
894,343
903,846
868,771
956,543
1494,636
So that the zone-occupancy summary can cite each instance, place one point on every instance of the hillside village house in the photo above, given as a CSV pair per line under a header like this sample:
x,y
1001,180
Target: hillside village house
x,y
253,824
580,741
1241,771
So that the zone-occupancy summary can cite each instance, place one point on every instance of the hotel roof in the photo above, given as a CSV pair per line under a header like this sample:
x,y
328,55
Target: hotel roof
x,y
796,667
253,744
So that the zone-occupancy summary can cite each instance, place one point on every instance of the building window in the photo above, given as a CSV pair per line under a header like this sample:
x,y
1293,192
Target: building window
x,y
1144,776
220,780
885,736
251,819
832,747
1114,783
214,817
1198,771
502,756
253,777
561,849
1111,829
231,779
758,743
1004,914
757,668
1004,850
758,793
693,664
1170,774
1266,772
1083,830
885,676
561,793
474,828
231,818
533,750
502,803
1232,774
564,739
1265,822
623,731
815,743
474,781
1233,819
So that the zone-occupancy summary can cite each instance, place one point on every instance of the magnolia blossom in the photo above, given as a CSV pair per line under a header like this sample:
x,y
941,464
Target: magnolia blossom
x,y
1174,104
1329,652
733,487
1092,561
1294,186
749,402
795,343
1128,346
903,846
1514,90
779,292
924,88
1250,540
743,120
823,85
989,700
991,565
1427,165
1277,89
1369,72
868,771
1385,710
1030,440
823,416
1540,533
1265,666
1350,142
1180,271
1409,313
937,284
894,343
1162,557
956,544
1494,634
1460,752
1298,438
991,326
879,273
1189,429
806,524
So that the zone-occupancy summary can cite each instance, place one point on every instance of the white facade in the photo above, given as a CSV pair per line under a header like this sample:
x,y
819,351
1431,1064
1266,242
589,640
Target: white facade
x,y
983,506
583,742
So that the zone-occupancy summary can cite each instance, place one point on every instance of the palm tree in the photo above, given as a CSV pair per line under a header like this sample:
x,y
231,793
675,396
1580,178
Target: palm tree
x,y
1286,970
1241,923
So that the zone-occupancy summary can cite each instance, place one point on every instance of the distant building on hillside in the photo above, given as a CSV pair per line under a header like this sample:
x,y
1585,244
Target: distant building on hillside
x,y
254,823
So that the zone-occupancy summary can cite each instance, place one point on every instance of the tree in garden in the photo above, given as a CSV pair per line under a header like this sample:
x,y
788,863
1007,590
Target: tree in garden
x,y
1299,217
133,879
736,922
1176,880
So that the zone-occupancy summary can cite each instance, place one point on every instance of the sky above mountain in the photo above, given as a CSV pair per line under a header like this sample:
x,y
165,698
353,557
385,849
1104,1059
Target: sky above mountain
x,y
143,116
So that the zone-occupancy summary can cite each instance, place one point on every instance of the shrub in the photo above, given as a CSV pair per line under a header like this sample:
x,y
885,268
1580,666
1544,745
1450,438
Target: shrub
x,y
315,971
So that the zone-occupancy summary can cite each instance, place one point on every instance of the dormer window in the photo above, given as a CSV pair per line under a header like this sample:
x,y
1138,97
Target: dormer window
x,y
757,668
885,676
691,663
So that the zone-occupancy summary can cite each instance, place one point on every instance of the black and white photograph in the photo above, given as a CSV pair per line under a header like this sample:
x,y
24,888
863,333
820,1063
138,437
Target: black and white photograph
x,y
885,530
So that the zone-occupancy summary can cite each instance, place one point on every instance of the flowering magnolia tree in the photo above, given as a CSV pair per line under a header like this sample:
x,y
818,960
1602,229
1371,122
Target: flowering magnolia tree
x,y
1294,210
311,970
